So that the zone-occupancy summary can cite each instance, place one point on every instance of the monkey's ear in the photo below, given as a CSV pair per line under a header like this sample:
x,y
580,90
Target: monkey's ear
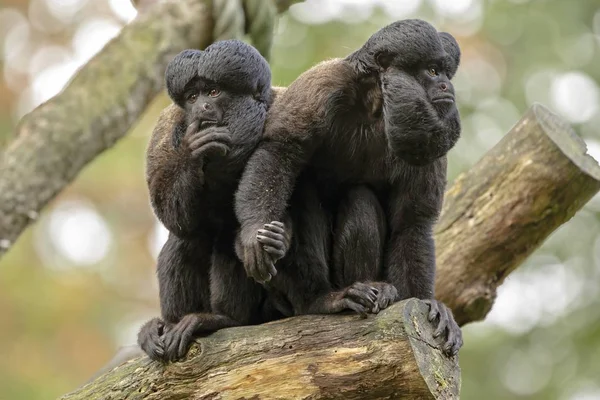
x,y
383,59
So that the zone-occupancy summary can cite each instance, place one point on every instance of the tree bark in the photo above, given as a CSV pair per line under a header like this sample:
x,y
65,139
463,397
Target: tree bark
x,y
388,356
97,108
497,213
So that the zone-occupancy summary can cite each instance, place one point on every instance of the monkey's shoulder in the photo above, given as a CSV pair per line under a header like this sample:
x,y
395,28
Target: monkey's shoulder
x,y
307,99
160,151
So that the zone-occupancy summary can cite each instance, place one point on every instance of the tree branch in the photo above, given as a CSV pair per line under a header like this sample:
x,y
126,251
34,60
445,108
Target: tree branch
x,y
390,355
497,213
97,108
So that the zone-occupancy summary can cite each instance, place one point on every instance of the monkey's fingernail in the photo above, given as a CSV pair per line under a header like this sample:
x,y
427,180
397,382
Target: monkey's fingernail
x,y
262,231
260,238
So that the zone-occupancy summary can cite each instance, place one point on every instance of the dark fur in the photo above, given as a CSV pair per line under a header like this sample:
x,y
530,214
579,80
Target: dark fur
x,y
191,190
367,119
192,173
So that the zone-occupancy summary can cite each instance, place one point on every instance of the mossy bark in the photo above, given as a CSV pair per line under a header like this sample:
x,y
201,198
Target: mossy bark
x,y
497,213
389,355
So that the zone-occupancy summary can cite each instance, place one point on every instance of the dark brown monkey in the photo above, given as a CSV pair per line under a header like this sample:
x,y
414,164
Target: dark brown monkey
x,y
195,158
385,116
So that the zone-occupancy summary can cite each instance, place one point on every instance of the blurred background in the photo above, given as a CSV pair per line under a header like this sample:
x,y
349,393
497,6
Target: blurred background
x,y
80,282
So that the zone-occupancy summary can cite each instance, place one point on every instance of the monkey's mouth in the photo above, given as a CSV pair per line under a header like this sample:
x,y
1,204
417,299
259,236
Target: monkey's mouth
x,y
207,123
448,98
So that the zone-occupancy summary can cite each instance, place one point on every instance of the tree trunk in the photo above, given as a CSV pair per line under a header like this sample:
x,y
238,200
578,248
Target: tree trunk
x,y
497,213
388,356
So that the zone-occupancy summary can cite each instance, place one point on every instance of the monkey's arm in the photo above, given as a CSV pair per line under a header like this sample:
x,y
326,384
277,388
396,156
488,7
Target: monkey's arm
x,y
417,131
409,261
175,180
410,253
263,195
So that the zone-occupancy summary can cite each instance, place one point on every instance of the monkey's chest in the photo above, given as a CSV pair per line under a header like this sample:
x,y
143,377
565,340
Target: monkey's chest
x,y
353,162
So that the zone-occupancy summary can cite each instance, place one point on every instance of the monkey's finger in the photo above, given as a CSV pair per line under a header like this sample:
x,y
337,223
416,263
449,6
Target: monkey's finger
x,y
360,297
451,340
277,253
205,138
278,223
192,128
457,345
442,323
434,310
356,307
276,228
271,241
185,342
210,149
368,289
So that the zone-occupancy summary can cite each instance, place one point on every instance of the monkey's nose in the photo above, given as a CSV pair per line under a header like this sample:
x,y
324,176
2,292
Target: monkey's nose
x,y
443,87
206,107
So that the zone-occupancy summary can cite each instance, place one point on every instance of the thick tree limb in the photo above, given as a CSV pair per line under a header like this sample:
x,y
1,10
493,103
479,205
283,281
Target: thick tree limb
x,y
388,356
98,107
496,214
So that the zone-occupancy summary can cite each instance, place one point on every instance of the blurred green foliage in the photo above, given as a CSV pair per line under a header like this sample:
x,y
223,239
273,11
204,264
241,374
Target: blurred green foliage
x,y
79,283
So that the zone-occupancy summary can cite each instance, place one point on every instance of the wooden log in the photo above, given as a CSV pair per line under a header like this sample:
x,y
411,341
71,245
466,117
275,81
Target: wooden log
x,y
497,213
389,355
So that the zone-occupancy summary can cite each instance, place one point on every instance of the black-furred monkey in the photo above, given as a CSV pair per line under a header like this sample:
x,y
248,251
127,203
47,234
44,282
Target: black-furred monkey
x,y
385,116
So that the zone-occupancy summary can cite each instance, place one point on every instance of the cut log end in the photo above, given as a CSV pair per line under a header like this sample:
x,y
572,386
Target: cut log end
x,y
497,213
390,355
565,138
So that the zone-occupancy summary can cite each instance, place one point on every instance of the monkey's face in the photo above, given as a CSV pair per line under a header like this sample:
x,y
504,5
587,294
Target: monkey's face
x,y
206,102
437,85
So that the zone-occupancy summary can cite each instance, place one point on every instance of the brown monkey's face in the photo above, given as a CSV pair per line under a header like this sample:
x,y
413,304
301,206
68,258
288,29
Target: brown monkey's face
x,y
206,102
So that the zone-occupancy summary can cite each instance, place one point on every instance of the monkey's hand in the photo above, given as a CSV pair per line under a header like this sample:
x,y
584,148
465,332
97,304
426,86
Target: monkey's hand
x,y
213,141
446,327
386,296
274,239
151,339
258,262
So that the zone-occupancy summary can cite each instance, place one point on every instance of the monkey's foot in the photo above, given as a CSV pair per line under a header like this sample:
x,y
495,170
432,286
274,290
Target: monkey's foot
x,y
447,329
150,339
386,297
359,297
274,240
179,338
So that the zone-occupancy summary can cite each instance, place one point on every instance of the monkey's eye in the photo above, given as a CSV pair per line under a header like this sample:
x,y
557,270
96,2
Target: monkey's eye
x,y
192,98
214,92
432,71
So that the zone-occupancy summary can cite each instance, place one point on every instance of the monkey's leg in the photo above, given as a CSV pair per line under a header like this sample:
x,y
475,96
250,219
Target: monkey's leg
x,y
358,244
233,293
304,272
182,270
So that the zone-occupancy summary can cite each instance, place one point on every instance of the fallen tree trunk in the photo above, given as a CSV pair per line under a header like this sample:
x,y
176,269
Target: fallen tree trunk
x,y
390,355
497,213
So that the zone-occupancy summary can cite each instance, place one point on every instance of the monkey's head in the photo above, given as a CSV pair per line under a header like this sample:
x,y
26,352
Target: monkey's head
x,y
229,83
414,64
407,44
203,82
